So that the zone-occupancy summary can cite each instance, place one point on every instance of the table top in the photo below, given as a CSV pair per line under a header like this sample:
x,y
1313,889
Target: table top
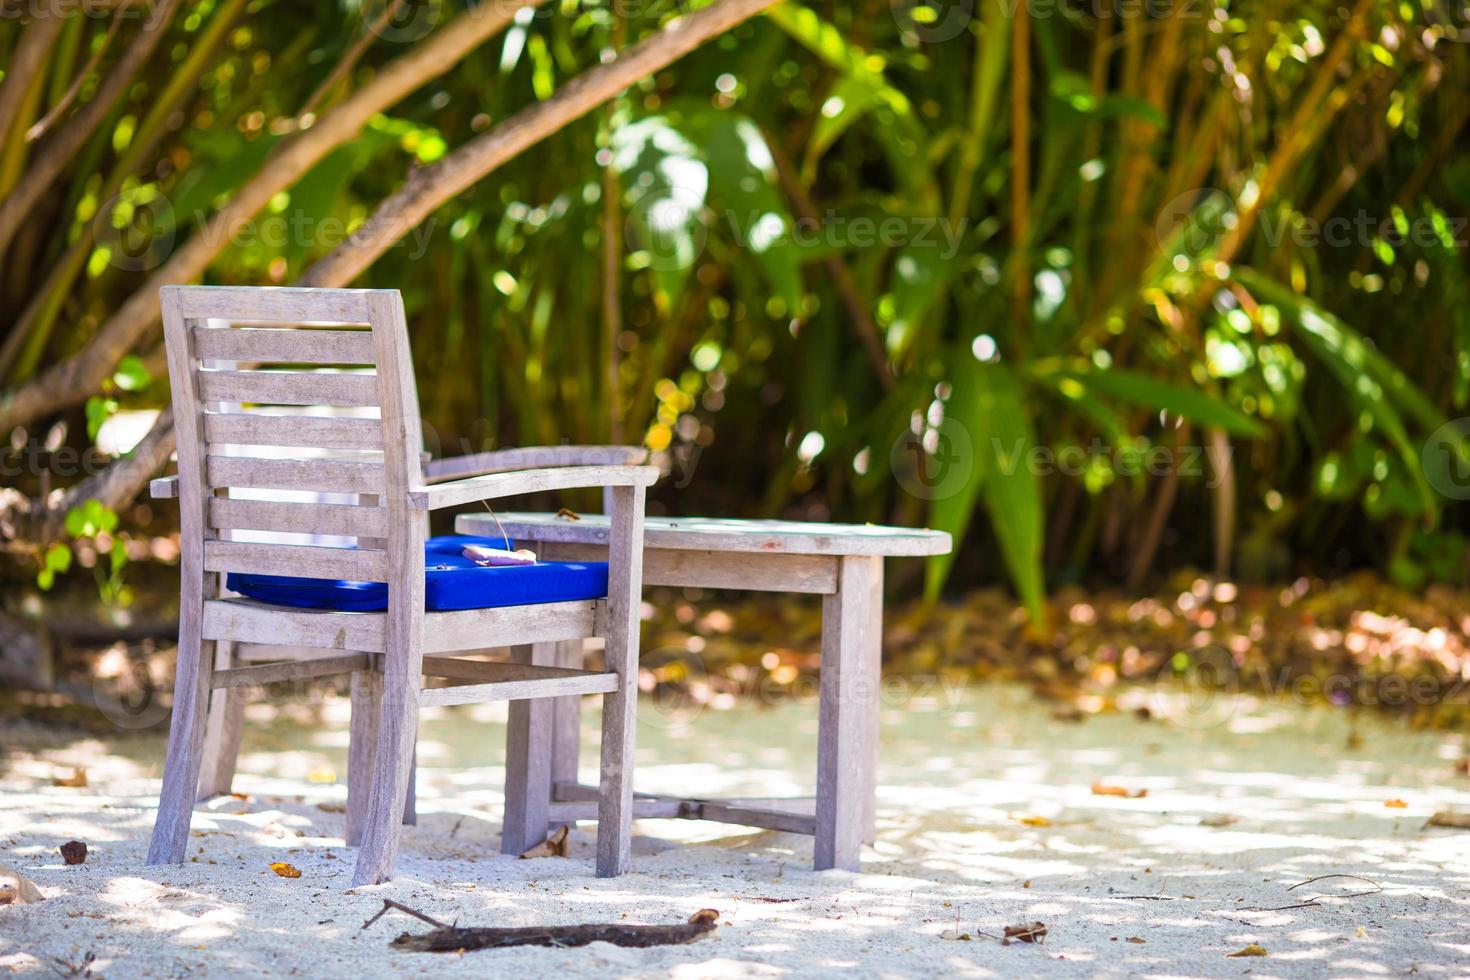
x,y
720,534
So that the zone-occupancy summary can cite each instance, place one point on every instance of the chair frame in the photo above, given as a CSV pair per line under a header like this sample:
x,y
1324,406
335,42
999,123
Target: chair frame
x,y
388,649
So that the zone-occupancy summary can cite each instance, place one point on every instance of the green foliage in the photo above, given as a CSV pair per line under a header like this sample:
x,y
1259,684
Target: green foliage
x,y
989,402
1237,228
89,519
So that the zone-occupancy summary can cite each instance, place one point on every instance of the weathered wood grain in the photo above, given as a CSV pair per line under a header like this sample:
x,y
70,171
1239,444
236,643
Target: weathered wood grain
x,y
290,670
528,760
620,706
281,346
726,535
753,572
329,475
315,431
291,559
289,388
495,485
844,712
263,515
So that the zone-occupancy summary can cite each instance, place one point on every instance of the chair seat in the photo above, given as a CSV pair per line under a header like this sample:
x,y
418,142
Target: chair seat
x,y
451,582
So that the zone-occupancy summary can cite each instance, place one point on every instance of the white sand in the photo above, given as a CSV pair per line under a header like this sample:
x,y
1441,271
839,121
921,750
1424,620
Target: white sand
x,y
952,852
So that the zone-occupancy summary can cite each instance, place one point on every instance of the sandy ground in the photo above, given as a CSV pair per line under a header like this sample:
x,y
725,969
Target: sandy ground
x,y
987,819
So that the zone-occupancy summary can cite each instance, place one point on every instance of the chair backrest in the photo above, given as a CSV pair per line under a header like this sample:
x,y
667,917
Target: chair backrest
x,y
260,377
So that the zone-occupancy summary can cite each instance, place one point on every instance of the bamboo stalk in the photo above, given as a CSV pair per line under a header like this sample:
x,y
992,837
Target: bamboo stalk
x,y
58,151
1021,168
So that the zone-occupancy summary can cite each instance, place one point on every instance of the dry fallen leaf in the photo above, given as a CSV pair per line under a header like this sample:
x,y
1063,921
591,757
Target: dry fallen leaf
x,y
956,935
569,514
77,779
1360,933
332,807
74,852
553,846
1396,804
1448,818
1254,949
1135,939
16,888
285,870
1029,932
324,774
1218,820
1035,821
1102,789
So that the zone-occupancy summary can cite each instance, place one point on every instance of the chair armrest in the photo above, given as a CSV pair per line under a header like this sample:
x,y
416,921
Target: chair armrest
x,y
530,458
517,482
163,487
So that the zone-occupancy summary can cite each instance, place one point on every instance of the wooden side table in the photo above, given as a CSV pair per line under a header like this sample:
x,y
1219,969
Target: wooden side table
x,y
843,563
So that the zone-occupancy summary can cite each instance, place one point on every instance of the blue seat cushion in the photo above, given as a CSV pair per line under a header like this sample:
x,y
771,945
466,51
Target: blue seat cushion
x,y
451,581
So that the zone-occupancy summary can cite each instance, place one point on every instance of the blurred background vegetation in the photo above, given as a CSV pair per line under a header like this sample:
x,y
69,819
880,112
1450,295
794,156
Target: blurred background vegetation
x,y
1107,288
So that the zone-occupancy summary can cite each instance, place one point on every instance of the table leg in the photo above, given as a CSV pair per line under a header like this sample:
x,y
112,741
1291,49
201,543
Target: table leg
x,y
527,762
848,695
875,708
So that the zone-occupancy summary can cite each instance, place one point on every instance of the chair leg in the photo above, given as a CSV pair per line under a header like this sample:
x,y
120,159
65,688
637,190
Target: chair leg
x,y
620,708
566,727
222,731
398,720
362,745
185,741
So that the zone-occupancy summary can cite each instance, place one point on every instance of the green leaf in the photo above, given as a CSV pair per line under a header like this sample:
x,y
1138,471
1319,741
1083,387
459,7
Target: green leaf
x,y
1372,382
89,519
1137,388
1342,341
898,129
669,184
58,558
98,410
920,275
131,374
988,402
850,100
743,179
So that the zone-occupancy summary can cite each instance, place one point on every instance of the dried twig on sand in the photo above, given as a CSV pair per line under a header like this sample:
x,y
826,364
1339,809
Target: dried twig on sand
x,y
452,939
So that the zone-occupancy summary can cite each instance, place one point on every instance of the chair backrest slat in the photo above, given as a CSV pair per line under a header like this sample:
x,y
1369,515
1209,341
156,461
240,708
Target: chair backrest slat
x,y
309,561
254,429
283,346
326,475
278,444
289,388
257,304
298,518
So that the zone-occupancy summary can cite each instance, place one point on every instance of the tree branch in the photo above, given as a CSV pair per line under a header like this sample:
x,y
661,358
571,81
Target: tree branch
x,y
71,382
75,88
428,188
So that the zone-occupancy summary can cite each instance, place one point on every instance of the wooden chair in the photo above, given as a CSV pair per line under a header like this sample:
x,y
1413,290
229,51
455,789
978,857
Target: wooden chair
x,y
390,647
